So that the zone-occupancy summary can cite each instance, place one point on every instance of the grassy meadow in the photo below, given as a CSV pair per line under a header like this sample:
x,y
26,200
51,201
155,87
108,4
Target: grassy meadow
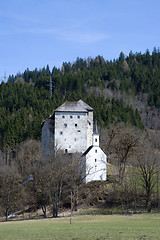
x,y
144,227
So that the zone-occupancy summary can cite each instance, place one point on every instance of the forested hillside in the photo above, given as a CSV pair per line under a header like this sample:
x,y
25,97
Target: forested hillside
x,y
123,90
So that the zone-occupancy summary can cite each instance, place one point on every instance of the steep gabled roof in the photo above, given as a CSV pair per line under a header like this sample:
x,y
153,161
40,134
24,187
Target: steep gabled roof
x,y
50,117
85,105
87,151
79,106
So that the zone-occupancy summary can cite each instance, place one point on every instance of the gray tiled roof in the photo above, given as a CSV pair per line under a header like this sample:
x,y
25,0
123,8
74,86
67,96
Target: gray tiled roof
x,y
85,105
79,106
87,151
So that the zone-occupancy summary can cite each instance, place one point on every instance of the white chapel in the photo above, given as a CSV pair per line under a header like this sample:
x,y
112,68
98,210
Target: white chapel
x,y
70,129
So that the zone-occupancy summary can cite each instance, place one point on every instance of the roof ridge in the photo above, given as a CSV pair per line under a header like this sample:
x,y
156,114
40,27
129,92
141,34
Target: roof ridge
x,y
73,106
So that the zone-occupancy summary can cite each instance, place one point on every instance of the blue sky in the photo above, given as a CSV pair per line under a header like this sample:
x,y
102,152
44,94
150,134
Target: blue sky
x,y
34,33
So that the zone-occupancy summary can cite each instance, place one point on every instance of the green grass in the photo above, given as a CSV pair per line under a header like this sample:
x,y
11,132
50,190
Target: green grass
x,y
144,227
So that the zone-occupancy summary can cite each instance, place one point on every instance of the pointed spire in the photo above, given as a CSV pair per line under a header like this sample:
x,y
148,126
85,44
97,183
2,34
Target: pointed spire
x,y
95,136
96,128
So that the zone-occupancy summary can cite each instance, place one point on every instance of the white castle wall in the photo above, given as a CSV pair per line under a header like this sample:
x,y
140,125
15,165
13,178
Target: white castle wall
x,y
71,131
89,128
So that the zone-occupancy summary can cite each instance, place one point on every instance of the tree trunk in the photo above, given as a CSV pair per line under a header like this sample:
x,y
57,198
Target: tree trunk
x,y
158,190
149,206
44,211
55,210
7,210
76,199
55,207
148,202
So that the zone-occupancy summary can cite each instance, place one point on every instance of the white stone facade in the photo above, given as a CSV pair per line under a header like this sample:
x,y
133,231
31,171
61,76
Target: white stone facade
x,y
70,129
96,162
73,127
96,165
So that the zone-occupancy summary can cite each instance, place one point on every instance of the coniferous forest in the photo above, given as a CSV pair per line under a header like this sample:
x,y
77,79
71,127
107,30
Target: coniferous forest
x,y
125,95
28,98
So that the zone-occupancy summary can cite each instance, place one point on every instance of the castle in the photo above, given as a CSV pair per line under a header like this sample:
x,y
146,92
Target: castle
x,y
70,129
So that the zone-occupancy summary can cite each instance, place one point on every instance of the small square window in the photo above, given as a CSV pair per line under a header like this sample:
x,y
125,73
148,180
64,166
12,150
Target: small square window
x,y
63,116
78,117
61,133
65,125
71,117
79,130
89,123
75,124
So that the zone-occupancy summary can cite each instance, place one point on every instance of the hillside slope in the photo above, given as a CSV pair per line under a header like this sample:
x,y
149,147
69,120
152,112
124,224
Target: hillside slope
x,y
123,90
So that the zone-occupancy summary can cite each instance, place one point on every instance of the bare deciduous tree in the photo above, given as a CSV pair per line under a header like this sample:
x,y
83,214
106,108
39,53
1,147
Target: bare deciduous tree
x,y
10,189
27,156
147,165
120,144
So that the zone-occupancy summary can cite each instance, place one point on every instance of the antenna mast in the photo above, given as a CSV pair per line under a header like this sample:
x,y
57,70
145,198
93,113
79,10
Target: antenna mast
x,y
50,86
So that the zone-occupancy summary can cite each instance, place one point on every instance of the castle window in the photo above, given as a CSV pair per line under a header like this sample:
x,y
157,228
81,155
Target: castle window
x,y
65,125
69,146
75,124
66,150
79,130
75,139
71,117
61,133
96,151
95,139
63,116
89,122
78,117
95,160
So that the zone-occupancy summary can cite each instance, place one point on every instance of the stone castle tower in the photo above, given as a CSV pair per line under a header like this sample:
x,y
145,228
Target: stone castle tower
x,y
70,130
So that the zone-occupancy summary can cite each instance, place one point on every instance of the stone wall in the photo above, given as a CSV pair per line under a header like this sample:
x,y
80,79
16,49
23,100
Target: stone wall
x,y
71,131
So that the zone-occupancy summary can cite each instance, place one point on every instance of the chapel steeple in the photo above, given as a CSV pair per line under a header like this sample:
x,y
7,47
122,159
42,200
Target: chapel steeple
x,y
95,136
